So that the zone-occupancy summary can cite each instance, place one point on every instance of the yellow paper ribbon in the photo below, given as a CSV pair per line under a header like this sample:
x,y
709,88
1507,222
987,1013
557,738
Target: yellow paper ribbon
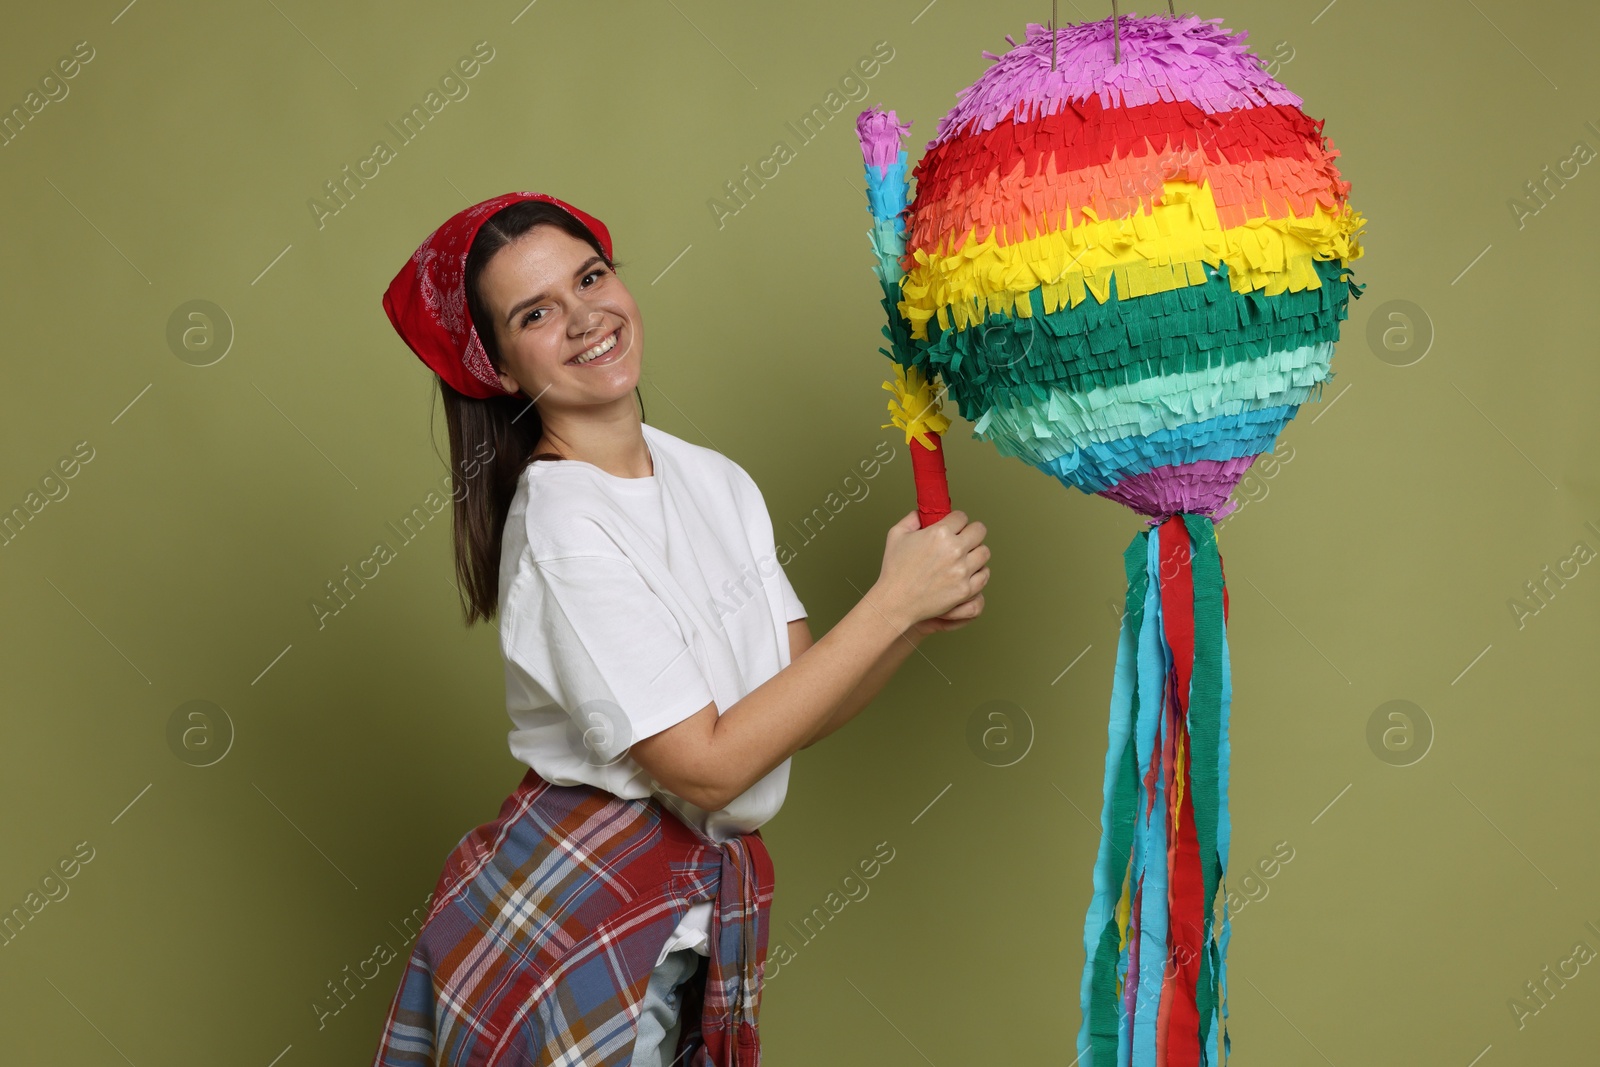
x,y
1149,252
915,407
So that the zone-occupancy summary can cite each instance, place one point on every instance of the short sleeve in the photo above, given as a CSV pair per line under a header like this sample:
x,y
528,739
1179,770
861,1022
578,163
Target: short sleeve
x,y
758,523
605,647
792,608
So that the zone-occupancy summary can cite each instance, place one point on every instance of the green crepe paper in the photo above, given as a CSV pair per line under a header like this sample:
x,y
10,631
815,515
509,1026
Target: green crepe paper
x,y
902,349
1121,341
1038,423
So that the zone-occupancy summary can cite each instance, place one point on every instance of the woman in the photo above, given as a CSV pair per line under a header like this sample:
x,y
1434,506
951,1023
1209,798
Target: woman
x,y
660,672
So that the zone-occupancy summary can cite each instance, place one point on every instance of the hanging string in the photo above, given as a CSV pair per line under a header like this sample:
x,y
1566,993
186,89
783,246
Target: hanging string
x,y
1117,28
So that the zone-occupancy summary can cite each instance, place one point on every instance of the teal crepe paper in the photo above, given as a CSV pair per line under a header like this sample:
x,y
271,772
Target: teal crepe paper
x,y
1098,466
1102,1020
1040,424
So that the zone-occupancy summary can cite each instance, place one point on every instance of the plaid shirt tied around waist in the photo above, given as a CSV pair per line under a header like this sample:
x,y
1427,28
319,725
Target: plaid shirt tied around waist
x,y
547,922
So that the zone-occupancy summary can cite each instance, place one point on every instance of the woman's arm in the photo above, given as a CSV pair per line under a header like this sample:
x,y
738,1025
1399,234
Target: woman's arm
x,y
872,683
709,759
882,670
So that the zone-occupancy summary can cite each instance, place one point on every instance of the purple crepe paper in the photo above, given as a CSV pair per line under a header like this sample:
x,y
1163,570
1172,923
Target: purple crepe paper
x,y
1164,57
1202,487
880,133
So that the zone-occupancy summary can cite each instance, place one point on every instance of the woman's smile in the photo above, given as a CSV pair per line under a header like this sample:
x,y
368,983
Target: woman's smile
x,y
607,351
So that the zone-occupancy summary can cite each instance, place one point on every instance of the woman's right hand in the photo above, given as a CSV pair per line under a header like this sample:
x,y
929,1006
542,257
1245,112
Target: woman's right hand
x,y
929,571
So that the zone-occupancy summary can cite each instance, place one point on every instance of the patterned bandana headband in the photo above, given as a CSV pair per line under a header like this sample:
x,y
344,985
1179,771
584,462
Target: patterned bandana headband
x,y
427,301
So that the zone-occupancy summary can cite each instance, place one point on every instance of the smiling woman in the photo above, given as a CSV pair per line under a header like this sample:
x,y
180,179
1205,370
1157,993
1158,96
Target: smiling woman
x,y
545,261
626,876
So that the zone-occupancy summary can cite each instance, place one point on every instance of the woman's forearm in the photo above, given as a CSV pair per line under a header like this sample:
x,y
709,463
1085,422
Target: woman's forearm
x,y
870,686
932,580
843,669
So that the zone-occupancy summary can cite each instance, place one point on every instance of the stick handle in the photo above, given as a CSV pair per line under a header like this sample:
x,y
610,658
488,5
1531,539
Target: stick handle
x,y
933,486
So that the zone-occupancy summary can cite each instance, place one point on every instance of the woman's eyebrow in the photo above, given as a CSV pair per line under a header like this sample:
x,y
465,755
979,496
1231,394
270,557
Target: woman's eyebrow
x,y
591,261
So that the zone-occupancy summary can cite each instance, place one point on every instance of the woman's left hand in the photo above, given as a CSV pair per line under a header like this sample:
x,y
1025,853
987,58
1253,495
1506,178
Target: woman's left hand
x,y
954,619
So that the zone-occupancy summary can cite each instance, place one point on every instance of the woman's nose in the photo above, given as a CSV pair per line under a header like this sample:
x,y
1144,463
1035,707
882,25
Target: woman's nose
x,y
587,320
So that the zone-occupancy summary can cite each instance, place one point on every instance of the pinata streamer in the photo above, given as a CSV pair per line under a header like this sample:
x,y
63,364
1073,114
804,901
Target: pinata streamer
x,y
1128,269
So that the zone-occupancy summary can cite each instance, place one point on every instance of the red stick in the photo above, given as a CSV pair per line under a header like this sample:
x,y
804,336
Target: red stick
x,y
933,487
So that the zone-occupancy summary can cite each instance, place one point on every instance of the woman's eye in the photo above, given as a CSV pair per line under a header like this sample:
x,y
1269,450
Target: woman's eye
x,y
598,271
526,319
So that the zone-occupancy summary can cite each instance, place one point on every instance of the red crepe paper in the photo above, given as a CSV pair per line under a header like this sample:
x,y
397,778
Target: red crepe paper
x,y
1044,174
933,486
1178,1019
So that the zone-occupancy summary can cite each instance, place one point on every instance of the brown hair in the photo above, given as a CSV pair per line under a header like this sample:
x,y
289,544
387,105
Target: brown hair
x,y
508,425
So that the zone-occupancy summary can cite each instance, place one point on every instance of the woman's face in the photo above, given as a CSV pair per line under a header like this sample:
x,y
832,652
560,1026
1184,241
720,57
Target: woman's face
x,y
555,302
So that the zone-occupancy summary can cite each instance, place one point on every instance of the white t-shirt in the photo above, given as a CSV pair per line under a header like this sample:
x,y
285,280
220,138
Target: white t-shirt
x,y
627,605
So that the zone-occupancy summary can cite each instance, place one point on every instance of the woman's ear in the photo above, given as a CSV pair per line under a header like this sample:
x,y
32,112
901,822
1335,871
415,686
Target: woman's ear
x,y
508,383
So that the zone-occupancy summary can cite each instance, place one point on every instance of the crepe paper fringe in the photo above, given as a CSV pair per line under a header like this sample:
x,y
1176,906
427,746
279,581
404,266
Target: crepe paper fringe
x,y
884,166
1184,189
882,136
886,196
1163,58
1015,208
1202,487
1219,289
1032,177
1149,253
1041,423
915,407
1126,340
1154,981
1097,466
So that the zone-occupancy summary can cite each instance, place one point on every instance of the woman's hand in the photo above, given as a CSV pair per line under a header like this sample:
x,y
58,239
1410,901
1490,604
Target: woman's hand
x,y
954,619
932,579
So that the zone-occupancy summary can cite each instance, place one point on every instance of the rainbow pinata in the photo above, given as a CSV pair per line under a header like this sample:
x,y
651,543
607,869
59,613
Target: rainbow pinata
x,y
1126,262
1131,274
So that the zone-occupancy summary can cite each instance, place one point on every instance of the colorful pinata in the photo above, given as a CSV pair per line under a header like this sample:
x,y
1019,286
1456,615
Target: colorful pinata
x,y
1127,261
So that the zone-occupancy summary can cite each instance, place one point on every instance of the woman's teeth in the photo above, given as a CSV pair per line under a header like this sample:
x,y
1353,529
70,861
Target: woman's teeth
x,y
598,350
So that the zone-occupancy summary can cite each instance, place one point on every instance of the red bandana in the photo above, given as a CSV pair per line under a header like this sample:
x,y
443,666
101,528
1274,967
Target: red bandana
x,y
427,301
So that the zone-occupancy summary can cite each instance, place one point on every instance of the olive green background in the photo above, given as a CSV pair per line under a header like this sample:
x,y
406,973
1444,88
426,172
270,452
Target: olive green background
x,y
1377,564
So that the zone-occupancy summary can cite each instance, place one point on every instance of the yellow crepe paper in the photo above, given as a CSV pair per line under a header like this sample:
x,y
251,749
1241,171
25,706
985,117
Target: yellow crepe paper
x,y
915,407
1150,252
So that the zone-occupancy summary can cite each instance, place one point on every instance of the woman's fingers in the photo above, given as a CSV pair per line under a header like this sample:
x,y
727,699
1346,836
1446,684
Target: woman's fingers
x,y
966,610
931,571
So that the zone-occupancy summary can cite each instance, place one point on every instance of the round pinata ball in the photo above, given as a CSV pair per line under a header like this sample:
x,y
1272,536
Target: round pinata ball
x,y
1130,268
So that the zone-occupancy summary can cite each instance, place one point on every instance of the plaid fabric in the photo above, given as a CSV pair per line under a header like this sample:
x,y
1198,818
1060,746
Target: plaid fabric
x,y
547,922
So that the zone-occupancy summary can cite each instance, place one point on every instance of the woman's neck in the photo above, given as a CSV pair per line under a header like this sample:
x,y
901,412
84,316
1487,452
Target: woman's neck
x,y
616,445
